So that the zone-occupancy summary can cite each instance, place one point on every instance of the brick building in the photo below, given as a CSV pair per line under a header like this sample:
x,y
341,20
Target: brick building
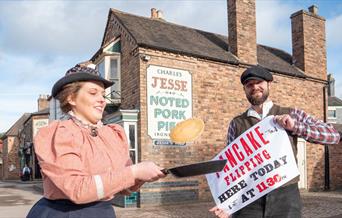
x,y
18,142
1,163
334,162
165,73
335,152
334,103
35,121
11,143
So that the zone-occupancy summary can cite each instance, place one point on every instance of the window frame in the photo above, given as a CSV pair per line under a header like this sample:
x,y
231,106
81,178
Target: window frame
x,y
334,111
106,58
117,80
127,124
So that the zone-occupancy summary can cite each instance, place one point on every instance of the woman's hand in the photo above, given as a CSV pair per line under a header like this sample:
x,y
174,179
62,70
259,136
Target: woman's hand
x,y
147,171
219,212
134,188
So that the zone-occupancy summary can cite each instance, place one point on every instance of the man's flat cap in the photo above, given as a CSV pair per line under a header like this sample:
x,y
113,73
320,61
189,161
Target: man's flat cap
x,y
256,73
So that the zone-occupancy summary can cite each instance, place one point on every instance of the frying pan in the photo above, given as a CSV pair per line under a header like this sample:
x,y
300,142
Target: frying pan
x,y
196,168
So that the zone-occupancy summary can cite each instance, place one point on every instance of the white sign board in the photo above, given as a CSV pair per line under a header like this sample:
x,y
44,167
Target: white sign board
x,y
39,123
258,161
169,99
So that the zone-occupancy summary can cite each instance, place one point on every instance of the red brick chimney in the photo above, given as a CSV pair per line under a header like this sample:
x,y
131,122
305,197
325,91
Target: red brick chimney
x,y
43,102
242,30
308,42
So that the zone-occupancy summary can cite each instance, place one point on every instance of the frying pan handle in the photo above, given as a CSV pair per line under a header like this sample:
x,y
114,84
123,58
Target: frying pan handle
x,y
165,171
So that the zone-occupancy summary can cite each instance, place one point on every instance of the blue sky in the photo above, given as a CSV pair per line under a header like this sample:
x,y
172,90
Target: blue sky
x,y
40,40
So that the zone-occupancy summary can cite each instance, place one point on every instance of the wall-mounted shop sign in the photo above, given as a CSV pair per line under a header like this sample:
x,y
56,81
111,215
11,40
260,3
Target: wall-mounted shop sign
x,y
39,123
169,101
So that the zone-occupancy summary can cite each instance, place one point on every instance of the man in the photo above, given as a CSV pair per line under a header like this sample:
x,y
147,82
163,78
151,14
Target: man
x,y
284,201
26,173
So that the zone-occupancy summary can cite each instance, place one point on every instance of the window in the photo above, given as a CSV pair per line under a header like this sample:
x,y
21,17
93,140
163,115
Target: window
x,y
114,76
108,65
101,69
132,142
332,114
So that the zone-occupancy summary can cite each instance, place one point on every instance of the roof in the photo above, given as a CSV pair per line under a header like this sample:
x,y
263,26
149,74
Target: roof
x,y
162,35
42,112
334,101
14,130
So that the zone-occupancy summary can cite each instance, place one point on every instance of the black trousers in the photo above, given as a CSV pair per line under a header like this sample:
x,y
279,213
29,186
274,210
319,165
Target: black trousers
x,y
283,202
46,208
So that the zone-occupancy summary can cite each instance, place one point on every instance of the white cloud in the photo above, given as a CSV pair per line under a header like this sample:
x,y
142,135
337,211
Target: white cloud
x,y
22,71
52,27
24,78
11,109
40,40
274,24
209,16
334,31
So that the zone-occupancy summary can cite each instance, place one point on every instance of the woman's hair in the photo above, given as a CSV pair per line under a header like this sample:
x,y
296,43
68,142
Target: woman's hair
x,y
70,89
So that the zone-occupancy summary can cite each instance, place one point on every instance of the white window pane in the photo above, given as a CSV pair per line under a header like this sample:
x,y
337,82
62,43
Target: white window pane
x,y
114,68
331,113
131,136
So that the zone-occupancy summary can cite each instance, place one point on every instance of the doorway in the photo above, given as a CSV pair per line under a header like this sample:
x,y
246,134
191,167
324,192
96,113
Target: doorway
x,y
301,162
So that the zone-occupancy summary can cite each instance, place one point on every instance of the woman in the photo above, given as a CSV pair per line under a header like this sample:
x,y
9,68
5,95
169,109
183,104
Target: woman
x,y
84,163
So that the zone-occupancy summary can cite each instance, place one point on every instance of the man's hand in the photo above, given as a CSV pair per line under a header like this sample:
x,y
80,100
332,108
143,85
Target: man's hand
x,y
219,212
285,121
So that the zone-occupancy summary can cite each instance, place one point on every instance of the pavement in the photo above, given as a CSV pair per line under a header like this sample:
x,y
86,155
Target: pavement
x,y
16,199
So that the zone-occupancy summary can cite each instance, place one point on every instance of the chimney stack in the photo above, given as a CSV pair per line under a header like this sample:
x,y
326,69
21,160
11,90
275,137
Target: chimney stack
x,y
308,42
242,30
154,13
43,102
157,14
331,89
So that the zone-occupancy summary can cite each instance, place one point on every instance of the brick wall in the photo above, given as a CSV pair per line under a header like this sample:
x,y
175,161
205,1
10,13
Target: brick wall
x,y
335,153
129,64
306,95
218,97
1,171
11,147
308,46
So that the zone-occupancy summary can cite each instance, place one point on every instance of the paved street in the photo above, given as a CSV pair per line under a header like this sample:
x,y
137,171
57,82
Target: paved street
x,y
17,198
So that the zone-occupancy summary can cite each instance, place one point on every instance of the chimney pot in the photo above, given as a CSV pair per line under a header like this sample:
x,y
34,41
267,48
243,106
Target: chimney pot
x,y
160,14
331,82
313,9
154,13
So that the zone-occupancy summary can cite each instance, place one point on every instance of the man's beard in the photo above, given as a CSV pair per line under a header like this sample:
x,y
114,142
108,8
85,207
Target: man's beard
x,y
258,100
